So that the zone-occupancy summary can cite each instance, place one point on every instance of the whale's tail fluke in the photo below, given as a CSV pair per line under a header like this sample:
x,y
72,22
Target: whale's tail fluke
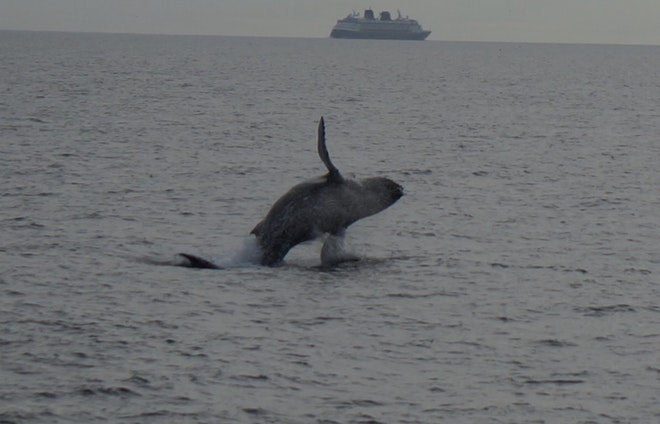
x,y
197,262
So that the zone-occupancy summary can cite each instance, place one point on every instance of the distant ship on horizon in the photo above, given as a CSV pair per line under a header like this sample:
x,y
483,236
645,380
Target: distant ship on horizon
x,y
381,28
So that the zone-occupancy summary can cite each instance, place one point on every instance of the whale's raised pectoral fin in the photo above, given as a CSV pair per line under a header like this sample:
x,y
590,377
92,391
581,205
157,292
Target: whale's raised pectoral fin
x,y
197,262
333,175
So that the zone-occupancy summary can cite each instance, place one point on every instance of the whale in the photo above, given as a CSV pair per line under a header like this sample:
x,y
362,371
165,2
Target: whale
x,y
320,207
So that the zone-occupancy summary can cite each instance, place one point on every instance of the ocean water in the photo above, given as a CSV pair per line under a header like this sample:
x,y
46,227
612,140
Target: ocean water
x,y
517,281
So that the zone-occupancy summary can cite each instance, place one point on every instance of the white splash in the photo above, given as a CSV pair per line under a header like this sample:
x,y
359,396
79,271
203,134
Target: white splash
x,y
248,254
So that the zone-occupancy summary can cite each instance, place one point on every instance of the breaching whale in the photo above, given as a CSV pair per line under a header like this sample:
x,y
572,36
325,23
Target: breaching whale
x,y
324,205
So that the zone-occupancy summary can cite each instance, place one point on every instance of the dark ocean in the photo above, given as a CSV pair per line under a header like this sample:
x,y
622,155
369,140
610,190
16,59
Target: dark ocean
x,y
517,281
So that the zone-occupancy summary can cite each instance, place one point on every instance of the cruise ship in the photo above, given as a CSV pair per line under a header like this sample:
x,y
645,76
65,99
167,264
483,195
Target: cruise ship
x,y
381,28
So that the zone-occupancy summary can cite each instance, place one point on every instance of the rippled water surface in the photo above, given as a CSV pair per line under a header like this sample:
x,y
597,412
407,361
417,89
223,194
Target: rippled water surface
x,y
516,282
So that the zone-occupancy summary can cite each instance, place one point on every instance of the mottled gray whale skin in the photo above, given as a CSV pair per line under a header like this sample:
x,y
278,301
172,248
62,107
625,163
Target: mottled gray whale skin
x,y
325,205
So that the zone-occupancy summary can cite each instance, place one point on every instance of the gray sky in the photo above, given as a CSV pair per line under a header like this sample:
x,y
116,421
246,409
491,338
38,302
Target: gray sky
x,y
563,21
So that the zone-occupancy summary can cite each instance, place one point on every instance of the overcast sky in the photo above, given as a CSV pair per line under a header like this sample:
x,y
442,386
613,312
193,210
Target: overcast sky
x,y
563,21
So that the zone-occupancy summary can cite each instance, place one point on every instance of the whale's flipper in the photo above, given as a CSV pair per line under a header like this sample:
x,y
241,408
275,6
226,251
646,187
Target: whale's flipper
x,y
197,262
333,252
333,175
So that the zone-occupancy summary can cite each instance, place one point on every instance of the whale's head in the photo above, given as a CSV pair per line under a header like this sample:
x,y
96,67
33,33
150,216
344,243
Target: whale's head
x,y
382,191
